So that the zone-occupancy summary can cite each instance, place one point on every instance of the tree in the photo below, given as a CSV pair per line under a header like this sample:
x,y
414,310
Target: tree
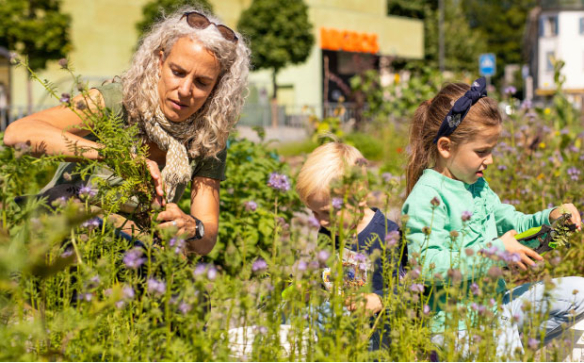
x,y
280,34
153,10
35,29
504,36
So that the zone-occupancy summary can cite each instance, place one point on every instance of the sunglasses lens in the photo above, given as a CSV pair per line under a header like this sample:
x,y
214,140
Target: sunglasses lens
x,y
198,21
227,33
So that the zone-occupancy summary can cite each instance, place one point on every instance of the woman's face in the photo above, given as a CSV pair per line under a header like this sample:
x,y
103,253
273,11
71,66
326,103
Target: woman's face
x,y
187,77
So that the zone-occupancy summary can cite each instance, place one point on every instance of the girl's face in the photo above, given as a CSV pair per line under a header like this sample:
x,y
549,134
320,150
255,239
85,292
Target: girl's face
x,y
187,78
468,161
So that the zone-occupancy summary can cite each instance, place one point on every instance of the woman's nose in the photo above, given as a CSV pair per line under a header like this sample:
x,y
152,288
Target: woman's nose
x,y
185,89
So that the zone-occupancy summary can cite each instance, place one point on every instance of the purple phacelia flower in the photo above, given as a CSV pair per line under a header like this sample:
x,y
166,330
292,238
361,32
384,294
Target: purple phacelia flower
x,y
87,191
474,288
387,177
199,269
392,238
177,243
574,173
426,309
91,224
302,265
259,265
313,222
510,90
184,308
466,215
128,293
337,203
155,287
323,256
419,288
133,258
359,257
279,182
212,273
250,206
65,98
533,343
435,202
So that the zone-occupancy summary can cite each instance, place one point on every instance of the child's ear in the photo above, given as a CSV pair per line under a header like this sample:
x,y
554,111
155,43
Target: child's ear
x,y
445,147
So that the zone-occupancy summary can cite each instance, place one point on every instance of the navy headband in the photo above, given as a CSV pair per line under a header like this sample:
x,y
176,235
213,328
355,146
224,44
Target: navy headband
x,y
461,107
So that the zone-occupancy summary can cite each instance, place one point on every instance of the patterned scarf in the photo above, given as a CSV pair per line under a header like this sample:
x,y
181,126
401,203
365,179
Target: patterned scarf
x,y
171,137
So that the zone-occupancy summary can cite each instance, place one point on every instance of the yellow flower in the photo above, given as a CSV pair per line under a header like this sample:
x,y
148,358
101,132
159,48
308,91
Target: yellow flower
x,y
540,176
542,145
547,111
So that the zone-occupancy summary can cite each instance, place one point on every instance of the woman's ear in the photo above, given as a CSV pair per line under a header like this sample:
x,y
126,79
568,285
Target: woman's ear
x,y
160,59
445,147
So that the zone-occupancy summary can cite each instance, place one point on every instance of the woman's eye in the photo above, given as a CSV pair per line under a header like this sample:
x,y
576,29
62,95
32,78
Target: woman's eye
x,y
202,83
177,73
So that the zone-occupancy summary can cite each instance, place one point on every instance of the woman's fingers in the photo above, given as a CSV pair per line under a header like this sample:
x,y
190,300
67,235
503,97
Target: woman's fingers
x,y
157,177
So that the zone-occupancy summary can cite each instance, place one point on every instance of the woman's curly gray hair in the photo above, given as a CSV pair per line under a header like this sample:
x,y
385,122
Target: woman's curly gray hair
x,y
215,119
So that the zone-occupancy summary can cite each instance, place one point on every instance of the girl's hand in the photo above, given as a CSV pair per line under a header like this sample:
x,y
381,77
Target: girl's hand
x,y
173,216
567,208
525,253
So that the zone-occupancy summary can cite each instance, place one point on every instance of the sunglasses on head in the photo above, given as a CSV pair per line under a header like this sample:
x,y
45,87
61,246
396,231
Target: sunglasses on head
x,y
200,21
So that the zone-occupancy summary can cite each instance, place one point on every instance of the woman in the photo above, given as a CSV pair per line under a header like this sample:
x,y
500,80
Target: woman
x,y
185,89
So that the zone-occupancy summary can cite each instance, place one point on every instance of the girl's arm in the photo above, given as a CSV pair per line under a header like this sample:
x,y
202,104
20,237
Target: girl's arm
x,y
205,207
507,218
438,250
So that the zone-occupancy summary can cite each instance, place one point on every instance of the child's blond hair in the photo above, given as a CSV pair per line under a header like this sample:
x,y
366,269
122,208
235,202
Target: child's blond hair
x,y
326,164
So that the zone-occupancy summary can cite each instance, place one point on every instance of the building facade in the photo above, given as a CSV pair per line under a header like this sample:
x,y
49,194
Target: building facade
x,y
351,35
561,36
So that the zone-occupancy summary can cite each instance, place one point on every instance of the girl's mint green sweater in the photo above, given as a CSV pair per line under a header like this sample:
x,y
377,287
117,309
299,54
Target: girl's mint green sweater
x,y
431,232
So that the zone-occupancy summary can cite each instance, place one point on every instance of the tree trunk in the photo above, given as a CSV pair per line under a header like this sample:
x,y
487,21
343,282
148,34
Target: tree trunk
x,y
274,101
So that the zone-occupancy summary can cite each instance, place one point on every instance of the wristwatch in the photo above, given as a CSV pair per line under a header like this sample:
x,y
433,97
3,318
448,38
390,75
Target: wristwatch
x,y
199,231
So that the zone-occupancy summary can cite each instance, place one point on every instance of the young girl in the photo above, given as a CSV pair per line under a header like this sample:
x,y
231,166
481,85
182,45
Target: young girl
x,y
454,215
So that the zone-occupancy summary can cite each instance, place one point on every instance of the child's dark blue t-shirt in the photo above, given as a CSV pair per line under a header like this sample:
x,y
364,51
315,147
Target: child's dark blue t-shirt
x,y
369,239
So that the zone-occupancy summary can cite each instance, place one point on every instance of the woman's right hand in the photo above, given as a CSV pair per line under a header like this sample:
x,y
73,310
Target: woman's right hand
x,y
157,177
526,254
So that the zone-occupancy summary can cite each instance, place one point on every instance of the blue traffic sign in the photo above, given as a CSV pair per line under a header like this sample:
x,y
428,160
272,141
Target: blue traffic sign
x,y
487,62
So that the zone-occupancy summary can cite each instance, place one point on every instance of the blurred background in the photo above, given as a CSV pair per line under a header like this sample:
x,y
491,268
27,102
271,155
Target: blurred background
x,y
357,61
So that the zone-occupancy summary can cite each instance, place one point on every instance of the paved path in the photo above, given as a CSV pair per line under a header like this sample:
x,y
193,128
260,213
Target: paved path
x,y
282,134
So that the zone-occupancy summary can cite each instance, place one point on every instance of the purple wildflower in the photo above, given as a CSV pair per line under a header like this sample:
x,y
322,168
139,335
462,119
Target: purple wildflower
x,y
184,308
200,269
302,265
250,206
502,167
435,202
474,306
475,289
313,222
417,288
127,293
279,182
337,203
63,63
313,265
155,287
510,90
533,343
359,257
574,173
85,296
391,238
387,177
65,98
526,104
466,215
177,243
86,192
212,273
259,265
133,258
67,253
323,256
91,224
426,309
94,281
262,330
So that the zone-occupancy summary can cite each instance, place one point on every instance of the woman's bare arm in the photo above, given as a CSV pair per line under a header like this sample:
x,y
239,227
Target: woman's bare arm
x,y
55,131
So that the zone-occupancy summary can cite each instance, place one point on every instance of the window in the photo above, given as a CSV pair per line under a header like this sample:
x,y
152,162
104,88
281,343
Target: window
x,y
582,26
548,26
548,61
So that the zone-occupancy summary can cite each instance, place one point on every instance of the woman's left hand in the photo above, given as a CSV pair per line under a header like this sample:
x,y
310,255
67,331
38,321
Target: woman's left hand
x,y
173,216
567,208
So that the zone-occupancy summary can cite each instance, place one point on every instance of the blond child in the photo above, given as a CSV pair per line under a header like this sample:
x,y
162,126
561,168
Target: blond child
x,y
325,166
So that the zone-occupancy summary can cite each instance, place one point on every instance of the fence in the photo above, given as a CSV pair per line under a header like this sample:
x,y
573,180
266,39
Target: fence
x,y
253,114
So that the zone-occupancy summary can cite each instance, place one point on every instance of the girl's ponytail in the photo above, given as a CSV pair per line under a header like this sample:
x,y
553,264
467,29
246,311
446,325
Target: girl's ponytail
x,y
418,157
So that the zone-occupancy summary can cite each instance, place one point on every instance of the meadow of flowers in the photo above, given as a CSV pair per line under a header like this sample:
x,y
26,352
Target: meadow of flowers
x,y
71,288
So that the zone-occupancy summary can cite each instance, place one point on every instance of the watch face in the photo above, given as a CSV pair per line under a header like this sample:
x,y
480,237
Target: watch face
x,y
200,229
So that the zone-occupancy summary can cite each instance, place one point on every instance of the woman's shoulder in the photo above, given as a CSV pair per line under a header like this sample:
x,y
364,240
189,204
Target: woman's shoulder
x,y
113,96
